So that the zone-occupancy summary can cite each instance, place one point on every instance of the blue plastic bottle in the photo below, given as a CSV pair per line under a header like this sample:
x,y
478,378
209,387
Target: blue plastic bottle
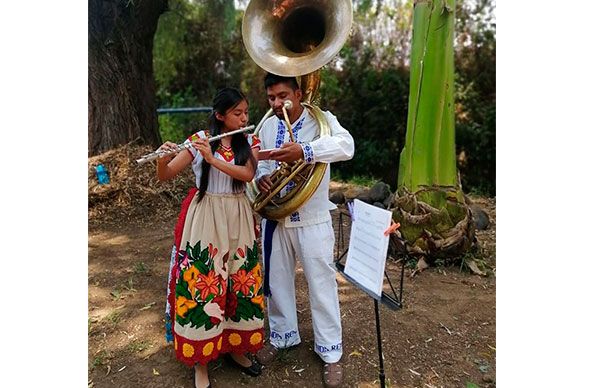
x,y
102,174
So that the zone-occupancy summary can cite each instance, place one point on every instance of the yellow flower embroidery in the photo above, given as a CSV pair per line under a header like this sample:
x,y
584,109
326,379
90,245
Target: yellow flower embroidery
x,y
191,277
183,305
188,350
208,349
175,343
257,273
259,300
255,338
220,343
235,339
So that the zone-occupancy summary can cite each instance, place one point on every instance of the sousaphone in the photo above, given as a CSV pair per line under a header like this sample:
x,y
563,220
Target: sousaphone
x,y
294,38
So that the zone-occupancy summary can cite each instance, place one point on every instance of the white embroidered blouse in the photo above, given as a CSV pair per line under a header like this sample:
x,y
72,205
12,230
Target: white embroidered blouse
x,y
218,181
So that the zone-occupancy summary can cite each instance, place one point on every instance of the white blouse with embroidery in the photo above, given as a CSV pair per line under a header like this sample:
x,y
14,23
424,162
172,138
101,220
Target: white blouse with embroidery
x,y
218,181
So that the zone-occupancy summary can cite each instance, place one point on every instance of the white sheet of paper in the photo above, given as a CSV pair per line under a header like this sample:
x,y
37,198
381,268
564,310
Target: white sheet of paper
x,y
367,251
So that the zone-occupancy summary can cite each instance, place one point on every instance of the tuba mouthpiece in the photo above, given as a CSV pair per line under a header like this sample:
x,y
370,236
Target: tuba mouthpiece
x,y
288,104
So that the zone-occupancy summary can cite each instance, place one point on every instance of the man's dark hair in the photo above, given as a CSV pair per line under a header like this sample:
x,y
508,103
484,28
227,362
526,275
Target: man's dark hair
x,y
274,79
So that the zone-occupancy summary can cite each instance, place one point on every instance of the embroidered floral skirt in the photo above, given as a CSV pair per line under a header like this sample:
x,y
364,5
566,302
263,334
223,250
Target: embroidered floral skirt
x,y
214,297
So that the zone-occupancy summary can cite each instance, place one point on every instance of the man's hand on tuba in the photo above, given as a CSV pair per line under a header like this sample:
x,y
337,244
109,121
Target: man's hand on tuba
x,y
289,152
264,183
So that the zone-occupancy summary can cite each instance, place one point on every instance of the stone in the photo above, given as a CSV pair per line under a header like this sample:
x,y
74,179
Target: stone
x,y
488,378
365,197
388,201
354,192
379,192
337,197
481,219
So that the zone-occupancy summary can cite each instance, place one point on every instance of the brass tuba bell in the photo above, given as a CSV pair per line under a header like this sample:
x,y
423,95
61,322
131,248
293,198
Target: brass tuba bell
x,y
294,38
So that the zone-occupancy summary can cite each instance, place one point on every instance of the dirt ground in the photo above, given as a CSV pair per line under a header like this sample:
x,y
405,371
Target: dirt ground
x,y
444,336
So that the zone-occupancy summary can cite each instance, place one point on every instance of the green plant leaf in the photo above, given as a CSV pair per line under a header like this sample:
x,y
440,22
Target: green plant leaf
x,y
199,317
196,251
244,309
204,256
203,268
257,311
181,289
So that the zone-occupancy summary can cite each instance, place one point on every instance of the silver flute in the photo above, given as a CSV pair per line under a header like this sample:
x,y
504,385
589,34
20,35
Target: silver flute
x,y
160,153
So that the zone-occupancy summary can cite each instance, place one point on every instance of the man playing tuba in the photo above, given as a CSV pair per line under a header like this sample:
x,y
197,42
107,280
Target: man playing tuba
x,y
307,233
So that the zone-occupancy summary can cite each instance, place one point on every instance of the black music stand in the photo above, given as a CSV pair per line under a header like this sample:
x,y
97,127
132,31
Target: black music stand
x,y
394,301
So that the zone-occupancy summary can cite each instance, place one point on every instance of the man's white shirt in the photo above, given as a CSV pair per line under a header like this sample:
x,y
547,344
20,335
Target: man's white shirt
x,y
338,146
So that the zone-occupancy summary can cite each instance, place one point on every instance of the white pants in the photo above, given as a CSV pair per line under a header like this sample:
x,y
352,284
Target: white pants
x,y
313,245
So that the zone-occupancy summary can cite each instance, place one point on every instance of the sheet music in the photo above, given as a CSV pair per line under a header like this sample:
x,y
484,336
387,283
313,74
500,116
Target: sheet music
x,y
367,251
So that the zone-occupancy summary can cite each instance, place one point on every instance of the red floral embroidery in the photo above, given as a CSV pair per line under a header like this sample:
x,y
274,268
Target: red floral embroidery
x,y
241,254
212,251
220,300
255,142
232,303
226,153
242,281
208,284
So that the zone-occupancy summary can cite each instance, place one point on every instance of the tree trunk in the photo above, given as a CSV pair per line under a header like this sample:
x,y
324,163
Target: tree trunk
x,y
435,220
121,90
428,157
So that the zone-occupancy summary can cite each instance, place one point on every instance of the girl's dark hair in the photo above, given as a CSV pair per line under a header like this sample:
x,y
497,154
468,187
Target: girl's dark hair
x,y
224,100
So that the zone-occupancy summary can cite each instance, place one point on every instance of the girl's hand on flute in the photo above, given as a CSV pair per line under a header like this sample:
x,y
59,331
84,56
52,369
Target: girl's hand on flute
x,y
167,147
203,146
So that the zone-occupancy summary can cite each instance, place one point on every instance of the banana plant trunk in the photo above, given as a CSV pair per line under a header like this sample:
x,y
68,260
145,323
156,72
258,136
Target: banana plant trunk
x,y
435,220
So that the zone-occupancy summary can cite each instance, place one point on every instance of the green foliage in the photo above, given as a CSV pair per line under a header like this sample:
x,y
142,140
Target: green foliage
x,y
140,268
371,105
196,51
99,359
197,46
178,127
478,141
113,317
354,179
476,96
139,345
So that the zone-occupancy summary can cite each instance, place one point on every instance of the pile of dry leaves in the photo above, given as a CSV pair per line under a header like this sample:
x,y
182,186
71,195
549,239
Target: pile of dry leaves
x,y
133,190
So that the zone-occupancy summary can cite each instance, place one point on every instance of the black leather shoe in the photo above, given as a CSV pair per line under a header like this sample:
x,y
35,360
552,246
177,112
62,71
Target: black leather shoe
x,y
253,370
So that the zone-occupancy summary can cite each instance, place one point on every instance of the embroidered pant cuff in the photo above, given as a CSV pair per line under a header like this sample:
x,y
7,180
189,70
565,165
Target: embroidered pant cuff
x,y
285,339
329,354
